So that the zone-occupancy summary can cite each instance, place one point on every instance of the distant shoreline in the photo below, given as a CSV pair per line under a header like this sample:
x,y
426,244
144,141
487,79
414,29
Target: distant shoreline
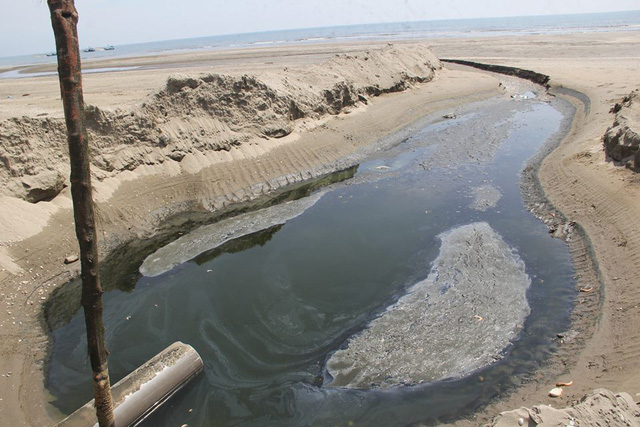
x,y
391,32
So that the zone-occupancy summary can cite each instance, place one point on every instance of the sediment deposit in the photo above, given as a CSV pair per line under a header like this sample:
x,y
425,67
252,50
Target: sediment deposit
x,y
485,197
211,236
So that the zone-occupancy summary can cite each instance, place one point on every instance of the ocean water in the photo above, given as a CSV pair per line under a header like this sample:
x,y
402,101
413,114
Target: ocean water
x,y
486,27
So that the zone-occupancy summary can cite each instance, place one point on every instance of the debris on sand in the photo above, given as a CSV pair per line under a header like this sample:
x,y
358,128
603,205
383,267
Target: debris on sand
x,y
71,259
555,392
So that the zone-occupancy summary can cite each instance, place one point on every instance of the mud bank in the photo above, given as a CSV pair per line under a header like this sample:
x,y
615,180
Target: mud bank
x,y
208,237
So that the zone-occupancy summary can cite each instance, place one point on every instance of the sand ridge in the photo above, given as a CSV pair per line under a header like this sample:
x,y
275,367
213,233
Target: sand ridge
x,y
197,114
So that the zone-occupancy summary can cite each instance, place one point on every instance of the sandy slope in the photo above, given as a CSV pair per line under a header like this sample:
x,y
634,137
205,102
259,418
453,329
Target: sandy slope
x,y
201,114
598,195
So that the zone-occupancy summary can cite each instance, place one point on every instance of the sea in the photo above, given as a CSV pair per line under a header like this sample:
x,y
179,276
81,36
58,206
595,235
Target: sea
x,y
485,27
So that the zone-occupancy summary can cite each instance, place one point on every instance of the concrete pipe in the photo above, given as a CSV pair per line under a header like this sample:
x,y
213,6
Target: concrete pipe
x,y
141,392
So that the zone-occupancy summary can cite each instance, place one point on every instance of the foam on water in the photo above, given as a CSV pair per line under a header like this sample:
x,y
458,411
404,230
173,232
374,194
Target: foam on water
x,y
211,236
456,321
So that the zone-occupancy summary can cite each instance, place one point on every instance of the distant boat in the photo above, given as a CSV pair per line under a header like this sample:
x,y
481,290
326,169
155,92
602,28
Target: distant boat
x,y
52,54
109,47
89,49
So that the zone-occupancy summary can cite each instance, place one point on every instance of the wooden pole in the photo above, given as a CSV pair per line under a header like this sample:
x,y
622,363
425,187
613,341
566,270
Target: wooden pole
x,y
64,19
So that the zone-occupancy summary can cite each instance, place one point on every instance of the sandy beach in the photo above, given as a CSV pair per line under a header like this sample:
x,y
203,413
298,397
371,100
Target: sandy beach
x,y
136,193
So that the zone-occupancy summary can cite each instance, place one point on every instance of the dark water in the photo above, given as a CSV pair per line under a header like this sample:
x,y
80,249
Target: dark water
x,y
265,311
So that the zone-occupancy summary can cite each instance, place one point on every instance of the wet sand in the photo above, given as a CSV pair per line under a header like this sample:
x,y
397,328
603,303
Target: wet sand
x,y
601,197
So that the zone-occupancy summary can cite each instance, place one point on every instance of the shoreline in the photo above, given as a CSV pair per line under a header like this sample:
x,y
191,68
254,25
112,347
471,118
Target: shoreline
x,y
553,177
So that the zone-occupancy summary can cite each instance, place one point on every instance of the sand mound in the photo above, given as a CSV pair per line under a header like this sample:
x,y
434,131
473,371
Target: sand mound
x,y
622,140
200,114
600,408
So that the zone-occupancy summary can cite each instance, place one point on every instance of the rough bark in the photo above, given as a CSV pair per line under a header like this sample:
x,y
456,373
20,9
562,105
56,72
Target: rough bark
x,y
64,19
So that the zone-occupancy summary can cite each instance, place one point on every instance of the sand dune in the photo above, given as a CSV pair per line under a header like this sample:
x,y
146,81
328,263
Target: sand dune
x,y
195,115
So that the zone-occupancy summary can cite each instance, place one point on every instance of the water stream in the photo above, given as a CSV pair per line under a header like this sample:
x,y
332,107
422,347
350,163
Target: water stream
x,y
272,300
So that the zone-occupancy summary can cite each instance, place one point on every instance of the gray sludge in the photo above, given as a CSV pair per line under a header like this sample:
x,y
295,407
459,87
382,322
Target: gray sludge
x,y
459,319
210,236
485,197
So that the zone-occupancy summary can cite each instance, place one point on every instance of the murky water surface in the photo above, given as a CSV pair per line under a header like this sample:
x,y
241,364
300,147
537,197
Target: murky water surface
x,y
267,310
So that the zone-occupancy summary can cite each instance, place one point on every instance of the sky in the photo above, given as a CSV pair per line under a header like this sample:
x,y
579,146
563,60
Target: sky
x,y
25,27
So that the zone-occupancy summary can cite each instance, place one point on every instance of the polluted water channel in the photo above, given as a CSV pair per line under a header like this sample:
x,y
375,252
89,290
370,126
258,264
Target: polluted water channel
x,y
416,289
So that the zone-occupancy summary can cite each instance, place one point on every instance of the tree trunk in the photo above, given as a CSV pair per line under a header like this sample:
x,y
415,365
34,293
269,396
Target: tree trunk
x,y
64,19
